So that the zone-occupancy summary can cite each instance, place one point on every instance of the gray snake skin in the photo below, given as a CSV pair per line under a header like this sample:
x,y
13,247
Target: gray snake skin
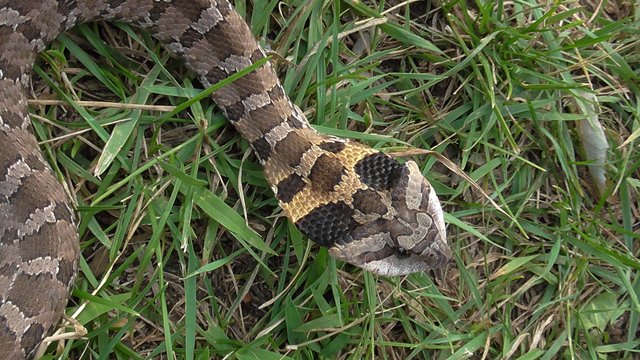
x,y
366,207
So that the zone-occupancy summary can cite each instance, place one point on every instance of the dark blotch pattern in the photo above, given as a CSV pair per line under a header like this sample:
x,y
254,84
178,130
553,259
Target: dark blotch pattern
x,y
378,171
66,271
235,111
289,187
326,173
294,122
292,147
369,202
265,118
262,148
332,146
328,223
32,337
381,254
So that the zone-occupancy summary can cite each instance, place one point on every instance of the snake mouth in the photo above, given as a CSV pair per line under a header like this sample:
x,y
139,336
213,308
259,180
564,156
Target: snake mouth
x,y
396,261
396,265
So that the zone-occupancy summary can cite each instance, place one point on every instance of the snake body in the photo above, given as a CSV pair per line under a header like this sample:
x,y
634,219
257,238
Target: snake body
x,y
366,207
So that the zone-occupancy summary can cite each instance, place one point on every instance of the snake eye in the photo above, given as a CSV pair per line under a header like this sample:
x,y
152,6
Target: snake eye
x,y
402,252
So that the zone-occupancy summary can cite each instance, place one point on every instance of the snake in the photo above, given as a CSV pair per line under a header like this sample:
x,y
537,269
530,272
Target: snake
x,y
369,209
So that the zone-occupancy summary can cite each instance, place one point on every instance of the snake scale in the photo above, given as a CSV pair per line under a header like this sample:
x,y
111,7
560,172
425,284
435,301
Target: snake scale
x,y
367,208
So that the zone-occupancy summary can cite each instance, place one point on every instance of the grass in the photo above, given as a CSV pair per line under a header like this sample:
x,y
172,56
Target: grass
x,y
186,254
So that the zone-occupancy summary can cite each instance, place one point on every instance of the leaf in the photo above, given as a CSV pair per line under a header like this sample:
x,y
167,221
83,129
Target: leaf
x,y
592,136
601,310
102,304
123,130
331,321
513,265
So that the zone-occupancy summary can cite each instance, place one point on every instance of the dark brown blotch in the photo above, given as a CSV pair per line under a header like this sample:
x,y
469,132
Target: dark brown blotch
x,y
218,35
8,334
28,198
276,93
378,171
292,147
158,10
256,55
381,254
58,233
294,122
190,11
14,56
328,223
369,202
235,111
266,118
332,146
262,148
32,337
24,290
326,173
114,4
66,270
290,187
252,83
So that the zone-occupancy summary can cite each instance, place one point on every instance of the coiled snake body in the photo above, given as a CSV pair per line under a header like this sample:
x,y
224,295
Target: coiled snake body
x,y
368,209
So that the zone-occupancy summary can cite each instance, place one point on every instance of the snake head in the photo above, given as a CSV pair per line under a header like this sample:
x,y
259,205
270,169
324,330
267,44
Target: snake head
x,y
391,223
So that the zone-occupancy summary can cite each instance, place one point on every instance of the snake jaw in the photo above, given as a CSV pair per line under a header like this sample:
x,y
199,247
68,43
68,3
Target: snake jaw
x,y
410,238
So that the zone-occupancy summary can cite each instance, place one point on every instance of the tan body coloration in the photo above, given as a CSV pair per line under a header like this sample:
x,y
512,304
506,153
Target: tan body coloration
x,y
367,208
